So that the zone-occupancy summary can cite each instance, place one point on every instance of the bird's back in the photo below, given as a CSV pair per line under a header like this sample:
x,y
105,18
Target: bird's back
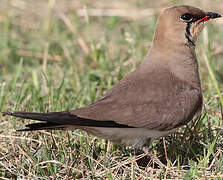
x,y
152,97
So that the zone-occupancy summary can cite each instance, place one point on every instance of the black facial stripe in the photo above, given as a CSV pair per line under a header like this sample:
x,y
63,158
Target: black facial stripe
x,y
188,29
189,19
189,40
188,34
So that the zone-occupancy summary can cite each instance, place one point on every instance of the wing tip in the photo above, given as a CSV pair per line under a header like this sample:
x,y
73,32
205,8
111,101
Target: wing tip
x,y
7,113
17,114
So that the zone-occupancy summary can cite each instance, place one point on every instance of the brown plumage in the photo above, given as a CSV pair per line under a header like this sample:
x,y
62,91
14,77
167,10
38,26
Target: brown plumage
x,y
162,94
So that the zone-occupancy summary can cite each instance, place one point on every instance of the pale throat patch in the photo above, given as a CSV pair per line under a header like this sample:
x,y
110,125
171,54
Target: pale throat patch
x,y
196,29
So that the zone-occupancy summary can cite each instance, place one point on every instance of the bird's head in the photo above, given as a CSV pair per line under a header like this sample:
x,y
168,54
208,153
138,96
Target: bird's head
x,y
181,24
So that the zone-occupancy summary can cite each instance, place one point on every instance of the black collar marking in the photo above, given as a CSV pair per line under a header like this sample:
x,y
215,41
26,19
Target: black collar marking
x,y
188,34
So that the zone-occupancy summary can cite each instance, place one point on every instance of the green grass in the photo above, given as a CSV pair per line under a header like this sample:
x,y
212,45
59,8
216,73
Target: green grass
x,y
51,59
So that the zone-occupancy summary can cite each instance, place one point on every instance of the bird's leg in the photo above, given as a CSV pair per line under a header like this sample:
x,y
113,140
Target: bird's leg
x,y
152,156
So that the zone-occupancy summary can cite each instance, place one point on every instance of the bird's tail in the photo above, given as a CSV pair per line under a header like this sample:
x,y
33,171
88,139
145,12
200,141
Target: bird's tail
x,y
60,120
51,120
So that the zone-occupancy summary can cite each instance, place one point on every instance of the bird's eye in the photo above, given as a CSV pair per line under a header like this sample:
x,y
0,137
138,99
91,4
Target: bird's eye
x,y
186,17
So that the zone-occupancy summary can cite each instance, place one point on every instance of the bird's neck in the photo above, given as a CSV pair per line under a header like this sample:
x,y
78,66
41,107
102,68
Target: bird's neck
x,y
179,60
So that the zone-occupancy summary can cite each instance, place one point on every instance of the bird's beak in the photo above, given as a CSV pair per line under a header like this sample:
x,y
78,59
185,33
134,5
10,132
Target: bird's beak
x,y
209,15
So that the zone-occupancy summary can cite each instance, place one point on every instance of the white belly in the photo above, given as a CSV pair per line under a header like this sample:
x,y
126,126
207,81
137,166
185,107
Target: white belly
x,y
135,137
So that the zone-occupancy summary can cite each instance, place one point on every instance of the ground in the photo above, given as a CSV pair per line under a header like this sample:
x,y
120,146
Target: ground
x,y
59,55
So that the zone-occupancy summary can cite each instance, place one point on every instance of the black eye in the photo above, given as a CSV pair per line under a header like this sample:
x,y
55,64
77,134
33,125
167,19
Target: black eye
x,y
186,17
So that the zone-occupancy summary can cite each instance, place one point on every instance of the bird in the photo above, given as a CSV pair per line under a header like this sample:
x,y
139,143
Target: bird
x,y
162,94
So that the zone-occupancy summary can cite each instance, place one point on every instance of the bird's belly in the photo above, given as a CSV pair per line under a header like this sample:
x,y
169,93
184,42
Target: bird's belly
x,y
136,137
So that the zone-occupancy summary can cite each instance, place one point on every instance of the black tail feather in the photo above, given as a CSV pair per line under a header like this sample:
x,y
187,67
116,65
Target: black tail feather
x,y
51,116
43,126
58,120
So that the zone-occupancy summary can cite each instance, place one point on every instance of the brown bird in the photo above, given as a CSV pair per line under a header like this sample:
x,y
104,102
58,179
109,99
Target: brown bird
x,y
161,95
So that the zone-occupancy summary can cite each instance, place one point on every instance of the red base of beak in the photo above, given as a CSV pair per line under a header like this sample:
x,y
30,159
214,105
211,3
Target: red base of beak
x,y
206,18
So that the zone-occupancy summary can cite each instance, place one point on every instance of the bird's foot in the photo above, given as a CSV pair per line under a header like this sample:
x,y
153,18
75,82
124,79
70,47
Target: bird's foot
x,y
153,157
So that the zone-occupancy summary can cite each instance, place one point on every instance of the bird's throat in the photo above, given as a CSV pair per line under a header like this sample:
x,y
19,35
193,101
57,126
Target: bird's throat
x,y
188,35
193,29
